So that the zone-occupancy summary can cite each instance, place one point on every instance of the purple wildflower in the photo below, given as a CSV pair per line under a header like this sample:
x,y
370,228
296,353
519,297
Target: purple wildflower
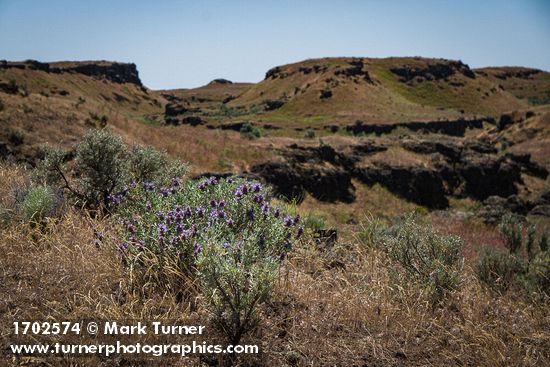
x,y
130,227
257,187
162,229
148,206
300,231
197,249
99,235
288,221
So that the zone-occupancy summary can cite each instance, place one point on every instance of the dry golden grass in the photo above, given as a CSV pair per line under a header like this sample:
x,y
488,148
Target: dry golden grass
x,y
333,306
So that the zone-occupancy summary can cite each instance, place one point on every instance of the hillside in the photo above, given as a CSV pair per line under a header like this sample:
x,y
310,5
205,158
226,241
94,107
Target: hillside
x,y
336,99
319,92
395,189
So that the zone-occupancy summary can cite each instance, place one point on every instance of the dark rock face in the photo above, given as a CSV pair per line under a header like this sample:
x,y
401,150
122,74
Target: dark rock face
x,y
486,176
541,206
222,81
469,168
174,109
508,119
113,71
9,87
495,207
274,73
522,73
527,165
437,71
187,120
419,185
325,94
447,127
273,104
235,126
173,112
5,150
293,181
355,70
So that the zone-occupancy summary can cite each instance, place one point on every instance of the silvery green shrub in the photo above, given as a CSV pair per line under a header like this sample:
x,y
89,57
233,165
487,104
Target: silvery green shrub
x,y
498,268
528,269
536,280
39,202
103,168
423,255
225,233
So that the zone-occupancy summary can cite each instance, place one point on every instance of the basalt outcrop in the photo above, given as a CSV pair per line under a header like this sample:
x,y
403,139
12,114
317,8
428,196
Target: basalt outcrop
x,y
456,127
443,167
113,71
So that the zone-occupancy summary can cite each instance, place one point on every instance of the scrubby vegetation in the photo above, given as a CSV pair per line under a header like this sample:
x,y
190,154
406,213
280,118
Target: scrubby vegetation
x,y
123,233
250,132
525,264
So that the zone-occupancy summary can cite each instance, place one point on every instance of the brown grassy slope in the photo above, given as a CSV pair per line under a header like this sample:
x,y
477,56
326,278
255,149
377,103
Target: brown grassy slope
x,y
375,93
58,109
215,91
532,85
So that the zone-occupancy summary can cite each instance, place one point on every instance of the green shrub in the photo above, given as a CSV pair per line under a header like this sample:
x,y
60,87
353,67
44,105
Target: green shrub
x,y
309,134
498,268
250,132
423,255
372,231
39,203
150,165
224,233
103,169
511,227
314,222
101,165
536,280
15,137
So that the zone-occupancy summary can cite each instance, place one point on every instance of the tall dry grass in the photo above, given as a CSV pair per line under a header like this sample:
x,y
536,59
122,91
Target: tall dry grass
x,y
333,306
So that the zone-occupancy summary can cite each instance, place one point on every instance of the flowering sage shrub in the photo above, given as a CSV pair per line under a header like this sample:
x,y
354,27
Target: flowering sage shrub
x,y
225,233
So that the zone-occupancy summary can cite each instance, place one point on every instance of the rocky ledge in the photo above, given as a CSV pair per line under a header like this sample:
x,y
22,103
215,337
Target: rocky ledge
x,y
444,168
114,71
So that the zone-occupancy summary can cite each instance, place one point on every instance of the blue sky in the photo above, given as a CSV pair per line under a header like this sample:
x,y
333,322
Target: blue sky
x,y
188,43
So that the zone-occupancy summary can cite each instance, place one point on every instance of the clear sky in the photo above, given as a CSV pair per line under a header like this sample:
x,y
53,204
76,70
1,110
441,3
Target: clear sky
x,y
179,44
